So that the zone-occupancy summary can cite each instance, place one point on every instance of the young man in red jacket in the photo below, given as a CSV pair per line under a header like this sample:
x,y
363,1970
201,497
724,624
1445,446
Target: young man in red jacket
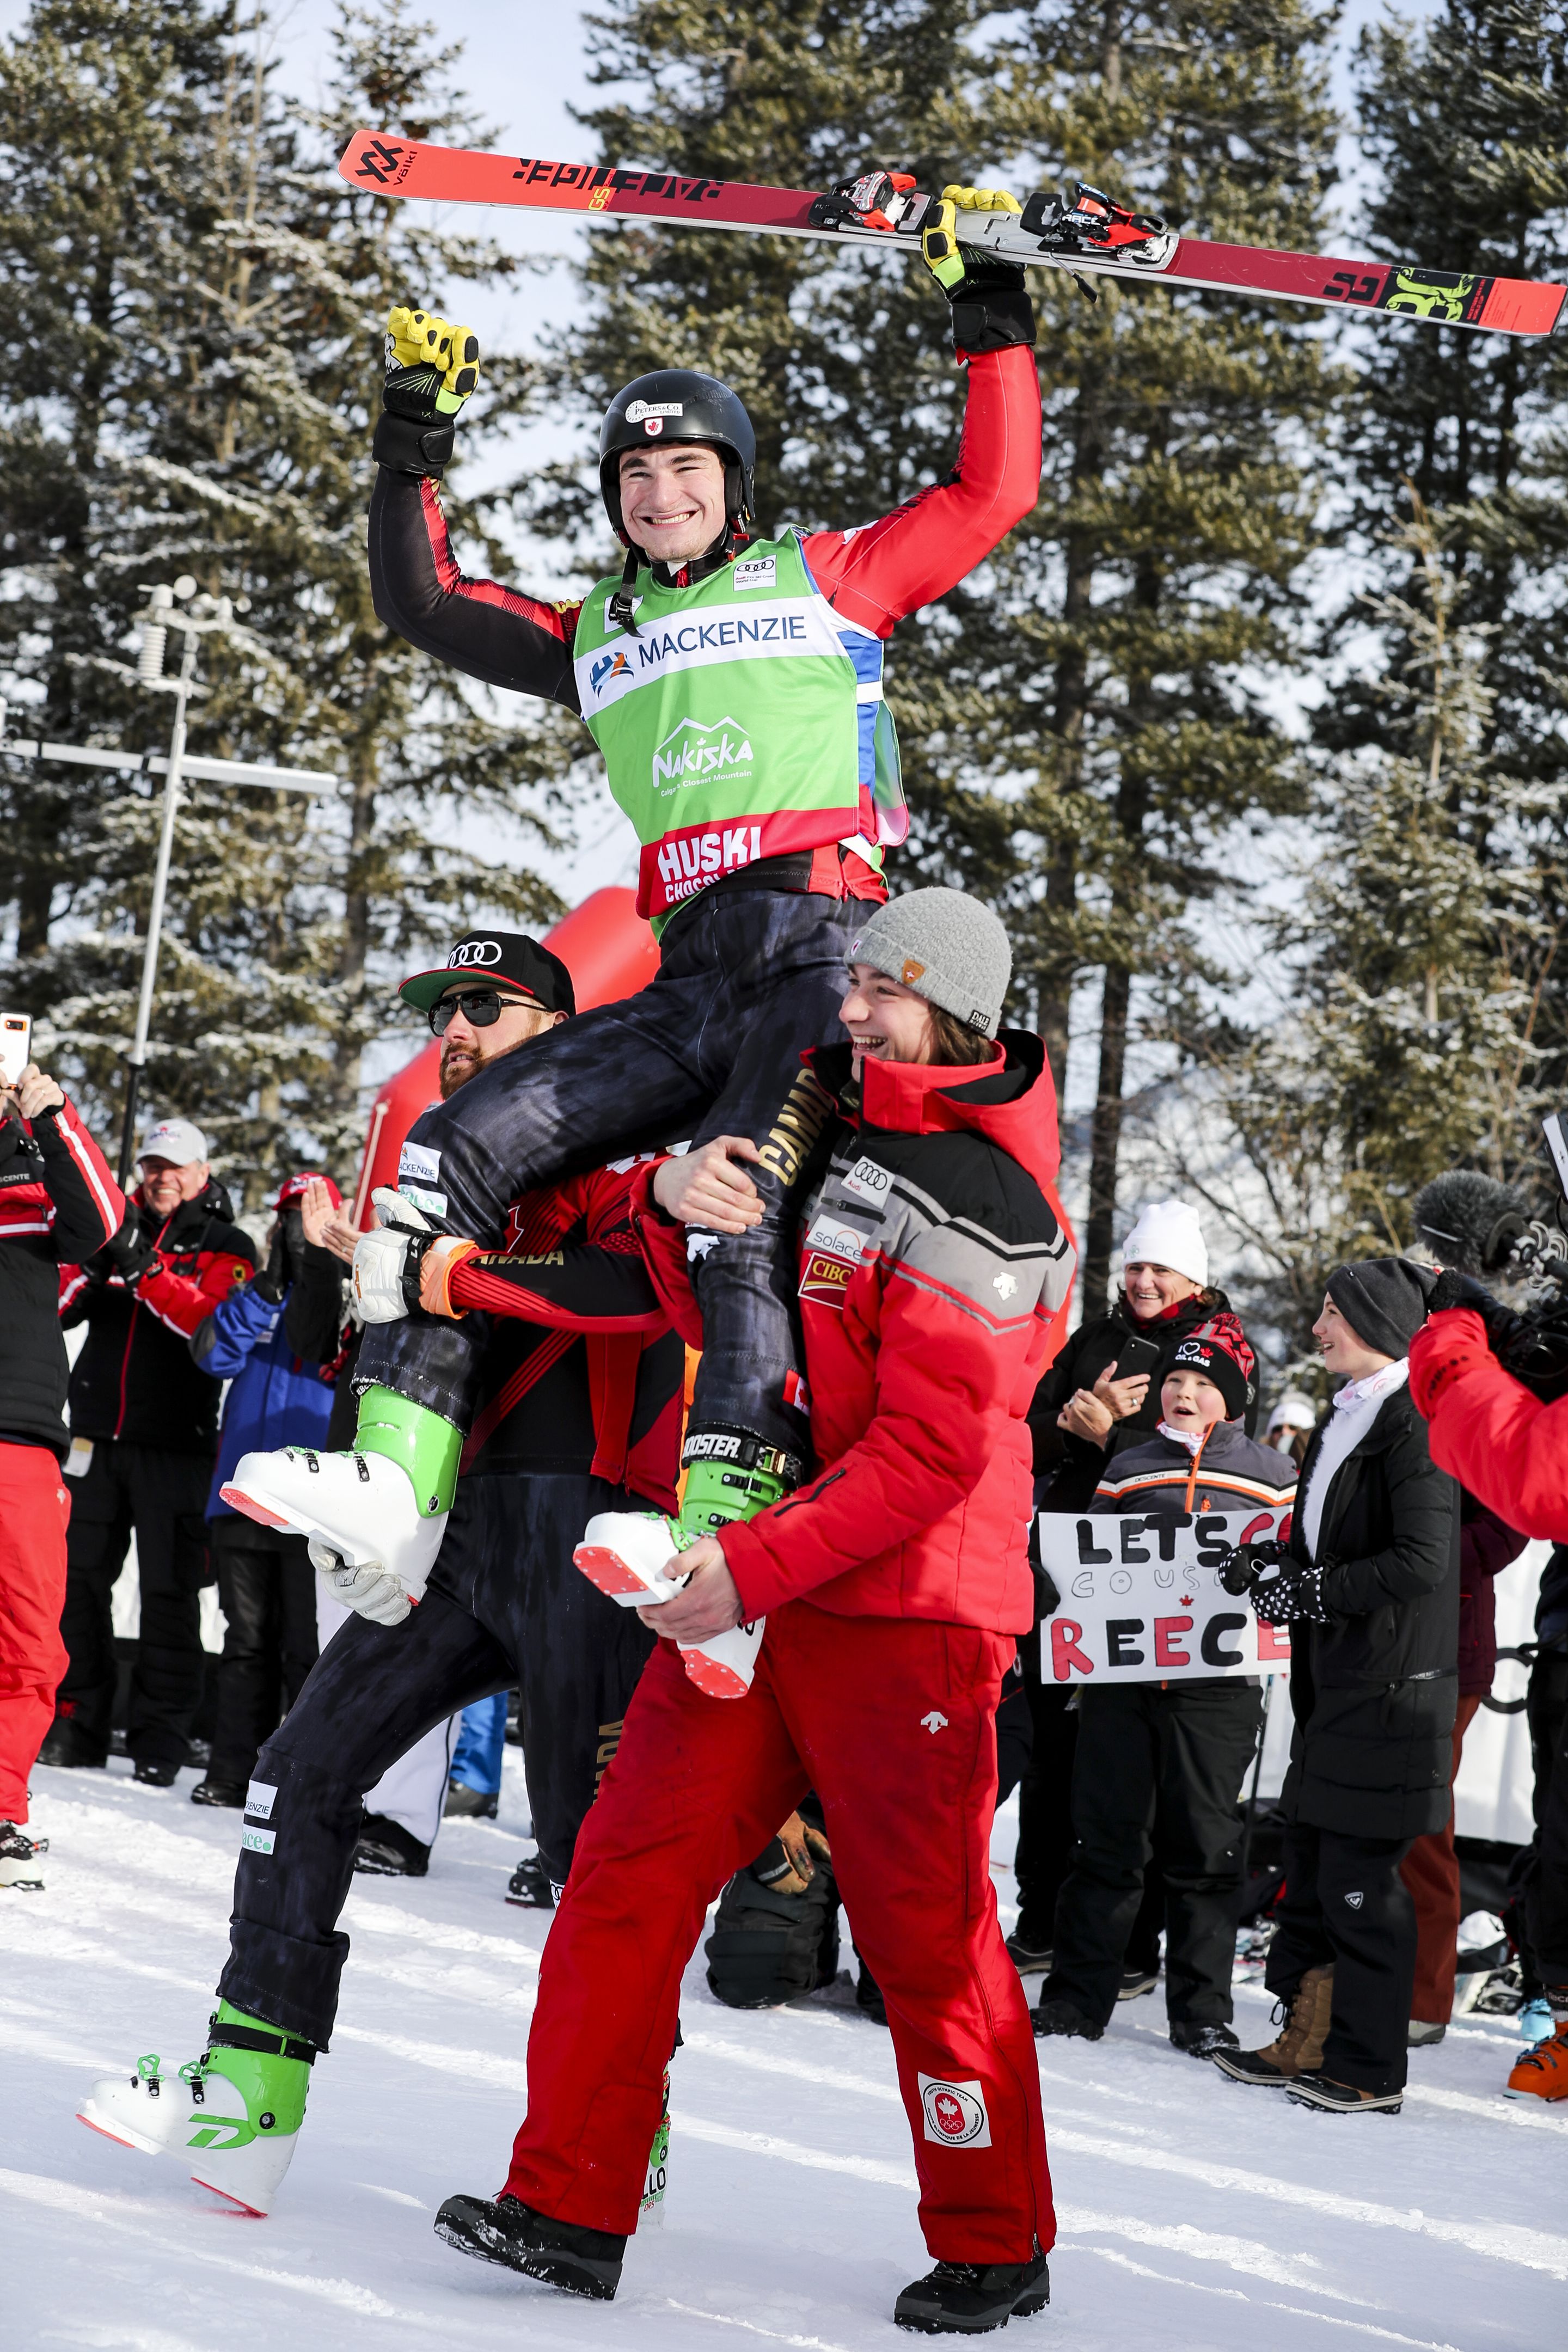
x,y
733,684
895,1580
58,1203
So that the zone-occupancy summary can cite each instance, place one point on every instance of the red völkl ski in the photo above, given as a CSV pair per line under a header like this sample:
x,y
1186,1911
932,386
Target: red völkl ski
x,y
1086,234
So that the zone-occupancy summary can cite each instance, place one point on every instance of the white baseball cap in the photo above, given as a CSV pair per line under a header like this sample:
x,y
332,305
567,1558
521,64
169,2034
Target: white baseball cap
x,y
176,1140
1168,1234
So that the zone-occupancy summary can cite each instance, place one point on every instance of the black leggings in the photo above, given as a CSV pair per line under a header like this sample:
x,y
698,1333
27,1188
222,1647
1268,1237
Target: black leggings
x,y
748,980
504,1604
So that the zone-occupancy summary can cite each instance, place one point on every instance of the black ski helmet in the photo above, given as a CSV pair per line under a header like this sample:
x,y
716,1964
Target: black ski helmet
x,y
678,404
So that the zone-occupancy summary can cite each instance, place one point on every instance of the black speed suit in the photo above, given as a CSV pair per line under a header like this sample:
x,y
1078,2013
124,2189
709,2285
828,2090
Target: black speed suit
x,y
504,1604
752,970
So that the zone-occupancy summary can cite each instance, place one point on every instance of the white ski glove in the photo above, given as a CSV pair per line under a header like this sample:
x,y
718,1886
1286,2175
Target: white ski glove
x,y
371,1591
385,1275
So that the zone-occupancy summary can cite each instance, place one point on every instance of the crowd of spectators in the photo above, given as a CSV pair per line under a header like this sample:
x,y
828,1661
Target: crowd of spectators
x,y
201,1345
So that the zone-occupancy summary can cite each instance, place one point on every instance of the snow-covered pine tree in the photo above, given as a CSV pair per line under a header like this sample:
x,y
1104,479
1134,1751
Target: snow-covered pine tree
x,y
1138,616
1416,958
1466,115
194,320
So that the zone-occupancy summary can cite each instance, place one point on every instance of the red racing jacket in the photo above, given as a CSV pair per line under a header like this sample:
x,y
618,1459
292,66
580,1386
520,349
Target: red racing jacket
x,y
1486,1429
136,1377
574,1301
872,574
931,1268
58,1202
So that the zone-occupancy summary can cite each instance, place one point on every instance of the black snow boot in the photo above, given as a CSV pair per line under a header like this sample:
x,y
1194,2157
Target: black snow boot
x,y
1201,2041
387,1850
1059,2015
504,2230
971,2298
529,1887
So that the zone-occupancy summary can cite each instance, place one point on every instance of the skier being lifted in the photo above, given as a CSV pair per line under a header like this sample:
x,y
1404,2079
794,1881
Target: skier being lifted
x,y
733,685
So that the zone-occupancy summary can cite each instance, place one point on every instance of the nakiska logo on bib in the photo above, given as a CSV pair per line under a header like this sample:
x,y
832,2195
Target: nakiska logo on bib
x,y
694,751
954,2113
638,411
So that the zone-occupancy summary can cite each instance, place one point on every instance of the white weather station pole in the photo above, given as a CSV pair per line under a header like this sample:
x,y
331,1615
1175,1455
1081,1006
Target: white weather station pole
x,y
195,615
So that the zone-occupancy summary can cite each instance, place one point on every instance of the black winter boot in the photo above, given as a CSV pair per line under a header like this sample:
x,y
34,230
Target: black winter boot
x,y
971,2298
504,2230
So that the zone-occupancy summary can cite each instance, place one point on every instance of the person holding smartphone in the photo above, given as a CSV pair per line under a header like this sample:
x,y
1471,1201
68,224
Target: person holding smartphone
x,y
59,1204
1097,1399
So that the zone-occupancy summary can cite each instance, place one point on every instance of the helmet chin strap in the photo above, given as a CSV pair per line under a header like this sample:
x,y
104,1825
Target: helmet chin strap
x,y
622,612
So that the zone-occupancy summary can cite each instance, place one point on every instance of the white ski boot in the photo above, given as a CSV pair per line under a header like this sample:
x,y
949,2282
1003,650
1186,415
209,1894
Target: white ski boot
x,y
234,2113
376,1516
360,1508
22,1858
625,1553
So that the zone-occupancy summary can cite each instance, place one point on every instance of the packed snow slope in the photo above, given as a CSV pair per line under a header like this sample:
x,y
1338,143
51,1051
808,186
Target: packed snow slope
x,y
1194,2213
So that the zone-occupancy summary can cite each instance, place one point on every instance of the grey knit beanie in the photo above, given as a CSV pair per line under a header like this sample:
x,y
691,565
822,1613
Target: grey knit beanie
x,y
948,948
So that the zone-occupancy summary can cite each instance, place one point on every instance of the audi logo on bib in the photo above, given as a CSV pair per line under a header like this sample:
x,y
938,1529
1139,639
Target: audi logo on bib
x,y
473,951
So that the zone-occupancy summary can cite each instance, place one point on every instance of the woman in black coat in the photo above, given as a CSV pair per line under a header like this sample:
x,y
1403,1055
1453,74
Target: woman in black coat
x,y
1371,1592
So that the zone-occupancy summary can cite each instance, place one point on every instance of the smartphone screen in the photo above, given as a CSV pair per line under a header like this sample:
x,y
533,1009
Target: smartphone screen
x,y
16,1046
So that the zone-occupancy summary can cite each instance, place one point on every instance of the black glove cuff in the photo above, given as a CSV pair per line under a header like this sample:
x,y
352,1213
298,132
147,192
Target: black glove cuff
x,y
992,319
404,445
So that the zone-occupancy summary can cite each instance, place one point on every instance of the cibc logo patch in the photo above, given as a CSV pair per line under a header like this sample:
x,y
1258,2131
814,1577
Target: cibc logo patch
x,y
824,1279
954,2113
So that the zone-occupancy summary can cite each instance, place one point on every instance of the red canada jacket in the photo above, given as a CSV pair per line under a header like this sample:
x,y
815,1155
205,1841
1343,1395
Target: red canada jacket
x,y
1486,1429
931,1268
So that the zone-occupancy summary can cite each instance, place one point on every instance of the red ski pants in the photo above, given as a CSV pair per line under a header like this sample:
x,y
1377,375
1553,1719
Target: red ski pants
x,y
891,1721
34,1508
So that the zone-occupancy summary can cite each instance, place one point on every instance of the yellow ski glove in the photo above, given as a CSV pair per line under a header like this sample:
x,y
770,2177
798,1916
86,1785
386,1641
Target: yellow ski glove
x,y
939,239
432,368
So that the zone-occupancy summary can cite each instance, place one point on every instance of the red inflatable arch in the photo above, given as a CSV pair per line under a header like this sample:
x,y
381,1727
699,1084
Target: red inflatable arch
x,y
610,952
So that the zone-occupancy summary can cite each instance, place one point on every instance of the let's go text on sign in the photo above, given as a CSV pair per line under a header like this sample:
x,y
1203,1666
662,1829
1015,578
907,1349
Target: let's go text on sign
x,y
1142,1600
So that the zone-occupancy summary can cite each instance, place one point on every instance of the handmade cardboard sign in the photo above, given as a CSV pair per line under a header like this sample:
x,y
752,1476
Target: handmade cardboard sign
x,y
1141,1601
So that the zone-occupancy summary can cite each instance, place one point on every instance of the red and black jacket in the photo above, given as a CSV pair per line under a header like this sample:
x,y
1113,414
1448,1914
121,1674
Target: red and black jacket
x,y
58,1202
932,1267
136,1377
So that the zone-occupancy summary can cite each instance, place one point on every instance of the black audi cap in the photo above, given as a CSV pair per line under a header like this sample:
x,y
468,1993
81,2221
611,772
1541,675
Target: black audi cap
x,y
509,958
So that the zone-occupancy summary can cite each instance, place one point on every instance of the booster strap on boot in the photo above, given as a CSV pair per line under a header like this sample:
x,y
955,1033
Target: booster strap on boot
x,y
425,1448
265,2043
737,1449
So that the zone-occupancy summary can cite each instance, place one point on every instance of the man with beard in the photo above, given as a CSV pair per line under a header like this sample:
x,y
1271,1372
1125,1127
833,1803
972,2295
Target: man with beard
x,y
578,1412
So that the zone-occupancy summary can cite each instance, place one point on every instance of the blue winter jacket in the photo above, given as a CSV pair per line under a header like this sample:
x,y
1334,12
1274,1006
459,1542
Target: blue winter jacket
x,y
276,1398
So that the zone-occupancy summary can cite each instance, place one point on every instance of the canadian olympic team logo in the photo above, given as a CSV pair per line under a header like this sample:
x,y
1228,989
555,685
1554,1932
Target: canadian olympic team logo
x,y
954,2113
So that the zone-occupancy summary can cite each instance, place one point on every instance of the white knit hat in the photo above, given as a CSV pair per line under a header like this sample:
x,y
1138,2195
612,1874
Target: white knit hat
x,y
1168,1234
1293,1411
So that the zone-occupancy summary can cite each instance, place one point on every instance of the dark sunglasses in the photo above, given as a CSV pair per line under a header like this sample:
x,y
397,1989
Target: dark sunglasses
x,y
480,1006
